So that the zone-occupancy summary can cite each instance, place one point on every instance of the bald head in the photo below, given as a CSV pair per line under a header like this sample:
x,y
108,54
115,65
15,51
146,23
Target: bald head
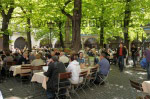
x,y
53,53
103,55
62,53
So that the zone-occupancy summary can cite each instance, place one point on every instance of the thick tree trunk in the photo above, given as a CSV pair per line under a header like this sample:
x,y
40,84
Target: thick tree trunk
x,y
126,23
60,34
29,34
5,23
68,30
76,23
5,34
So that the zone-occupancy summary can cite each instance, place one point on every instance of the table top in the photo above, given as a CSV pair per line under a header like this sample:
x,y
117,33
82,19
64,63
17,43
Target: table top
x,y
12,68
146,82
39,73
146,86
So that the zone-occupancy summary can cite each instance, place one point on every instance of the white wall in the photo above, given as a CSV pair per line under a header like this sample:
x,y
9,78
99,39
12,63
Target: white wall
x,y
17,35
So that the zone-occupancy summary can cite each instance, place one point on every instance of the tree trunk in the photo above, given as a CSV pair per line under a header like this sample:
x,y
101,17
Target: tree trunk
x,y
137,39
102,37
5,34
126,23
102,28
5,23
29,34
68,30
60,34
76,23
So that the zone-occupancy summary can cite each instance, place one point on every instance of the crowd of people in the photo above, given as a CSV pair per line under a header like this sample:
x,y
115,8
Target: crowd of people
x,y
60,61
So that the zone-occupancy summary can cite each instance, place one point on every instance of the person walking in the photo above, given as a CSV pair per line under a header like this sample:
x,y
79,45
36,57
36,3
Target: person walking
x,y
147,56
121,54
126,57
134,54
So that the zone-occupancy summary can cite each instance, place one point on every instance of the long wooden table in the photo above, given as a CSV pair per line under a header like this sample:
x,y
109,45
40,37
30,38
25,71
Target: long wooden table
x,y
41,78
17,69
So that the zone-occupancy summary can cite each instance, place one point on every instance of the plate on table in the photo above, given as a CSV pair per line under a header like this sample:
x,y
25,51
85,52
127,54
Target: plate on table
x,y
45,68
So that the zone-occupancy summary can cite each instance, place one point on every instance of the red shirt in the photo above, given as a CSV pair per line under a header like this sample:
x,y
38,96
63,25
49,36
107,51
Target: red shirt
x,y
120,52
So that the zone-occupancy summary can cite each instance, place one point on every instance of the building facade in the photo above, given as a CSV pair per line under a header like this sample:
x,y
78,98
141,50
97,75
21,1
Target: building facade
x,y
18,40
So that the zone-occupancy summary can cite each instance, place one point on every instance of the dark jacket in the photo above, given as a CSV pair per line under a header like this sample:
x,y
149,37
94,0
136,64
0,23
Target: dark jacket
x,y
22,59
53,72
124,52
134,51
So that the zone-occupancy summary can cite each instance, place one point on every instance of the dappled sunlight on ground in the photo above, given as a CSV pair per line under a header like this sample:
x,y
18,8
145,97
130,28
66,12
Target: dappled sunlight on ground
x,y
142,73
117,88
129,72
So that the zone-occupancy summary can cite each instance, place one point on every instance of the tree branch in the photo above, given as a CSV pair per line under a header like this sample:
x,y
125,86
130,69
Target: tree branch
x,y
10,12
63,9
2,11
23,10
11,9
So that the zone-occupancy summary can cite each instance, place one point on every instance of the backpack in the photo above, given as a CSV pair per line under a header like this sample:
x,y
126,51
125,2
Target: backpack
x,y
143,63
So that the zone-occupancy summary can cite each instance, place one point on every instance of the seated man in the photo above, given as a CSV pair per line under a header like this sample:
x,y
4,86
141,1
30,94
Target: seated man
x,y
38,61
54,69
104,67
64,59
23,59
8,58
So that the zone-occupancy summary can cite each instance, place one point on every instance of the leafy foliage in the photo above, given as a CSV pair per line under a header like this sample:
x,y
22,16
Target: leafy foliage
x,y
45,11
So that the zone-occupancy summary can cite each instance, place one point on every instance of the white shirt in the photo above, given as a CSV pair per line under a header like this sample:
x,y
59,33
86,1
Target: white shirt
x,y
64,59
1,97
74,68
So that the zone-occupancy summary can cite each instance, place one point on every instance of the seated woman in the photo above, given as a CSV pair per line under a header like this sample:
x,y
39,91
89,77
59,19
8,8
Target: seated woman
x,y
74,68
38,61
81,60
8,58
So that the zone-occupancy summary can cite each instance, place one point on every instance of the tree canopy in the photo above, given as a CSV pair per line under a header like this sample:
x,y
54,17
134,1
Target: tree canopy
x,y
108,18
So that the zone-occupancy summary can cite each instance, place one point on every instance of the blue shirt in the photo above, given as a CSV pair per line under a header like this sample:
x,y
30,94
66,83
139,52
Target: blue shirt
x,y
81,60
104,66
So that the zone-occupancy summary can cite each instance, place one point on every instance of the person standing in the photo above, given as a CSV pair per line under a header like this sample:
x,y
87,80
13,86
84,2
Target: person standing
x,y
126,57
121,53
134,53
147,56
